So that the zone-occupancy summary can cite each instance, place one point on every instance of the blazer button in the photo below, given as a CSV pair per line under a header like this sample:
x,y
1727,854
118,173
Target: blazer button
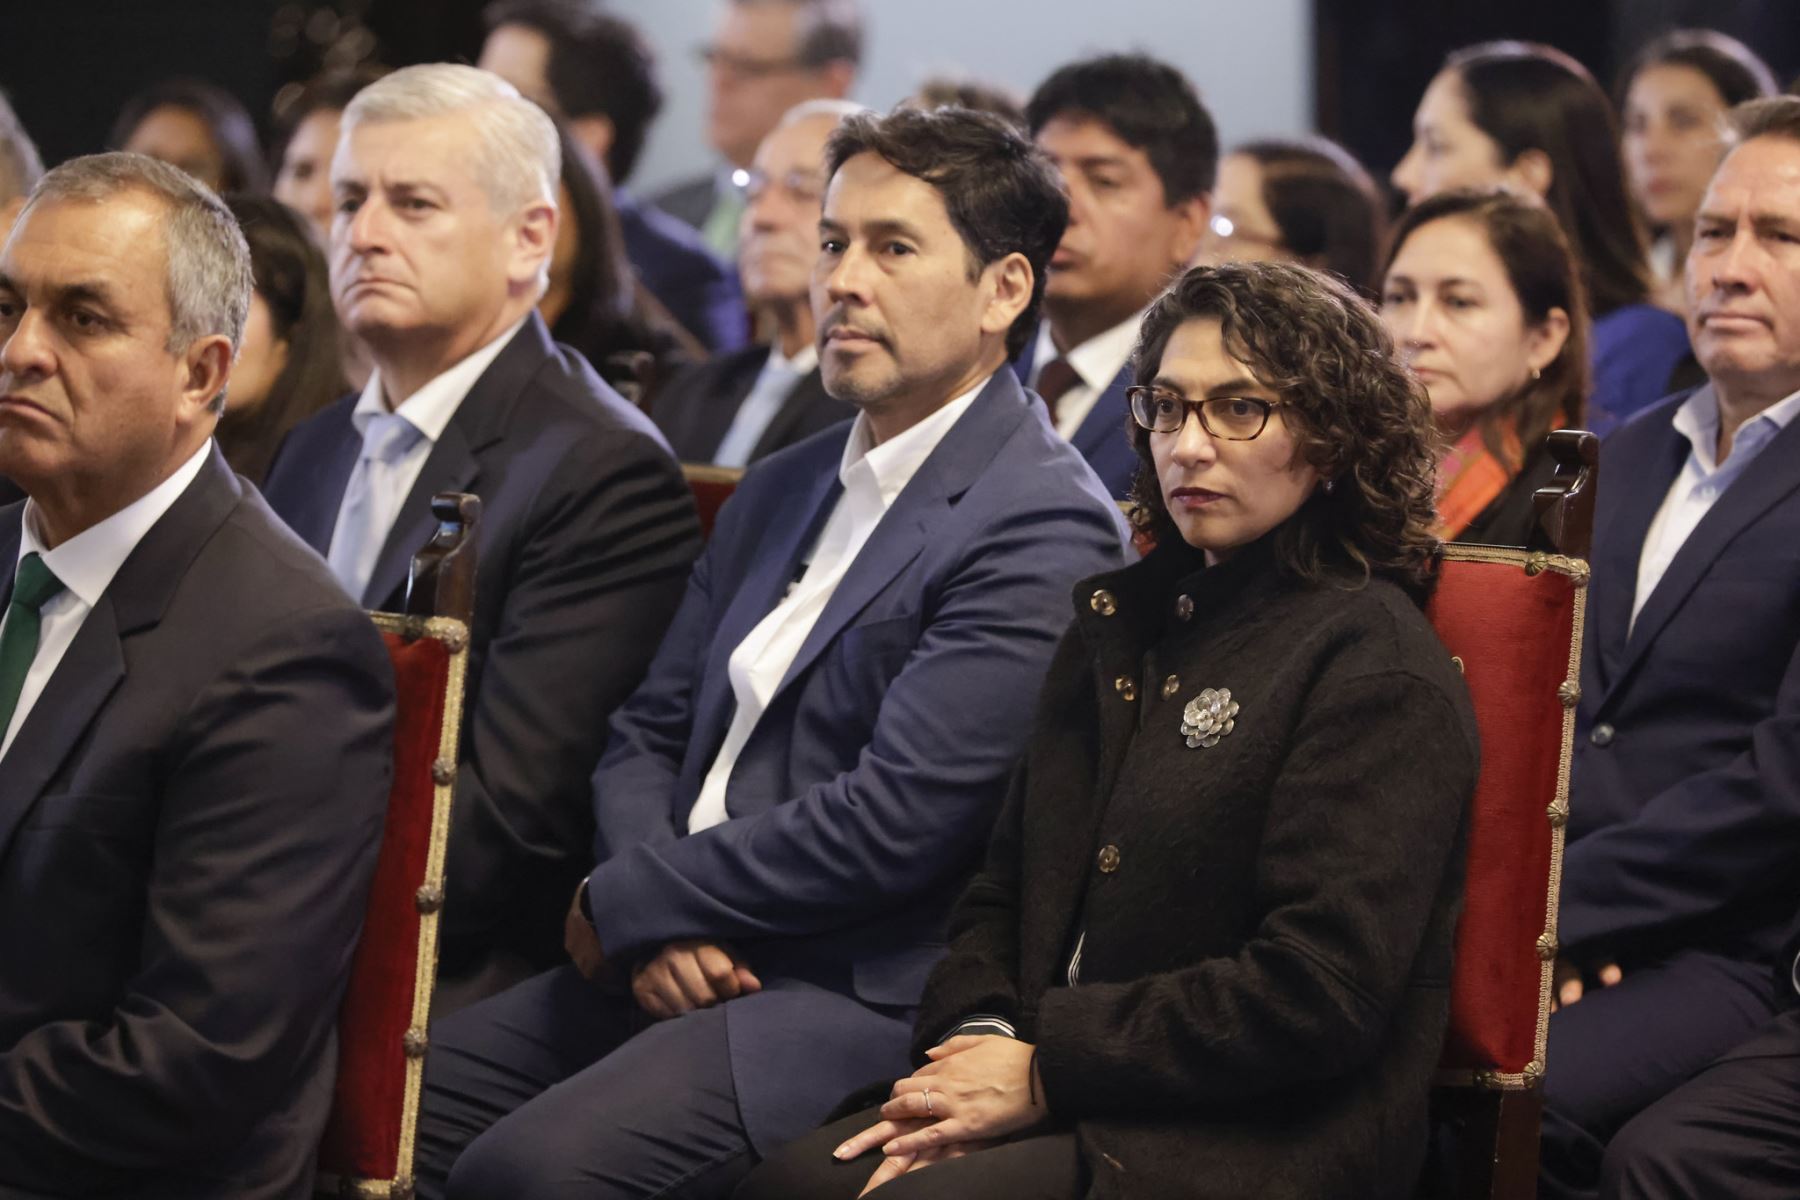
x,y
1184,608
1125,687
1103,603
1171,685
1601,735
1109,859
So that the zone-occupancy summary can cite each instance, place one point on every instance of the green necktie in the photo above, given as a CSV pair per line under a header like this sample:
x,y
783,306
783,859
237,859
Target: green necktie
x,y
32,589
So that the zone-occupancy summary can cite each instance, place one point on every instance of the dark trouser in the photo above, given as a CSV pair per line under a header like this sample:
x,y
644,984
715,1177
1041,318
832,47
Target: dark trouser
x,y
1623,1048
1044,1167
558,1088
1733,1130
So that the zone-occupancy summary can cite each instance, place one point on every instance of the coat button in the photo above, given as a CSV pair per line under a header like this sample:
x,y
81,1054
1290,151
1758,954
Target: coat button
x,y
1125,687
1108,860
1601,735
1184,608
1171,685
1103,603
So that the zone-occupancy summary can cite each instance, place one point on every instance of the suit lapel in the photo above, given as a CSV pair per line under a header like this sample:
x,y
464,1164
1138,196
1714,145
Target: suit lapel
x,y
1764,483
1619,543
454,462
809,391
94,664
713,414
316,519
1104,423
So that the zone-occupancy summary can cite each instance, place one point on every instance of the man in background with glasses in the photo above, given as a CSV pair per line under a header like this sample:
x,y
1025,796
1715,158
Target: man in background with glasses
x,y
1138,154
734,409
767,56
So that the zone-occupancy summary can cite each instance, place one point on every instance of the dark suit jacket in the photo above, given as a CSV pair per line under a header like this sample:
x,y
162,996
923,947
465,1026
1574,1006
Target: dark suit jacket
x,y
1512,517
690,201
188,825
1684,825
587,531
1265,924
865,792
1104,436
699,289
695,408
10,492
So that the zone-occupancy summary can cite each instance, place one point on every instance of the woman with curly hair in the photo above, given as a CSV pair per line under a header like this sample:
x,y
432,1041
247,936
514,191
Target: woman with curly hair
x,y
1482,294
1209,950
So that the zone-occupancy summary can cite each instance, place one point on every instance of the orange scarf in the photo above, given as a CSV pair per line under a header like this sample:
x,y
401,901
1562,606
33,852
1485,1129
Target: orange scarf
x,y
1470,478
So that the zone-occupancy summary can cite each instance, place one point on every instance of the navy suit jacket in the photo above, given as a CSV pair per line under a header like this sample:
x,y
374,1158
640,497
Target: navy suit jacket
x,y
696,407
1104,436
699,289
864,796
587,533
1684,825
189,818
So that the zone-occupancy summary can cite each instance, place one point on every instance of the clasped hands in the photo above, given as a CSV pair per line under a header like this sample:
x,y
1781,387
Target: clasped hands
x,y
975,1092
683,975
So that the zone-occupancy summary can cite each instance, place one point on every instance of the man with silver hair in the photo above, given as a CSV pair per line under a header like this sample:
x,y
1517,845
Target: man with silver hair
x,y
736,408
195,724
445,182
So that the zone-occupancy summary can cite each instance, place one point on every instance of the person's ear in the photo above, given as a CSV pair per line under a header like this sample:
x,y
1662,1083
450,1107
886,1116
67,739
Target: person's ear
x,y
1193,217
1533,171
1546,339
597,132
837,77
1008,284
205,370
533,241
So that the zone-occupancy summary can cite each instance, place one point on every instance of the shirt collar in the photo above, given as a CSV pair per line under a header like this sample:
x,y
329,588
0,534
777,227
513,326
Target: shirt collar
x,y
1698,421
87,562
1098,360
430,408
801,364
897,460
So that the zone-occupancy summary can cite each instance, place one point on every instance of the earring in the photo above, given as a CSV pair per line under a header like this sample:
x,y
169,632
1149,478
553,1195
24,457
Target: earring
x,y
1329,484
1536,374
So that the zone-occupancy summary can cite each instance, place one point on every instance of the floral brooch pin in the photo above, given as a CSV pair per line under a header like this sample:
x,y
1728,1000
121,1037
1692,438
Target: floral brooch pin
x,y
1208,717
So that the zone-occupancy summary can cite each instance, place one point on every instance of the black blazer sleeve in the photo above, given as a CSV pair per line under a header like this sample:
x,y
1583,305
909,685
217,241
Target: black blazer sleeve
x,y
1360,833
282,765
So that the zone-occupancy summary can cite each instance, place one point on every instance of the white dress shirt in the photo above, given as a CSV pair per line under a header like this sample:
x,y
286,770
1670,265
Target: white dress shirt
x,y
85,564
1097,363
774,384
384,486
872,477
1703,479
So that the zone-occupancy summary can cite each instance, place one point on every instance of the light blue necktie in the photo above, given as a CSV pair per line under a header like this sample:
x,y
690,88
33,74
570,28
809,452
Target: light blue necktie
x,y
372,500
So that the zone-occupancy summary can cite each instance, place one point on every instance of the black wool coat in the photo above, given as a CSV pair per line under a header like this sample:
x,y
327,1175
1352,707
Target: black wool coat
x,y
1261,927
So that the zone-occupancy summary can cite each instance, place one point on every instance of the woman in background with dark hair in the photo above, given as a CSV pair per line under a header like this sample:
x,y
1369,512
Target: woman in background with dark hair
x,y
288,366
1209,951
594,302
1307,201
1532,118
307,117
1673,96
1482,298
198,127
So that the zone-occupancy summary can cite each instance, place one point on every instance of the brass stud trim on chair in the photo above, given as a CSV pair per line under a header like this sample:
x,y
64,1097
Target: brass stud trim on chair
x,y
443,772
455,640
413,628
1537,563
414,1043
1489,1080
429,899
1569,692
1559,814
1547,947
1534,1072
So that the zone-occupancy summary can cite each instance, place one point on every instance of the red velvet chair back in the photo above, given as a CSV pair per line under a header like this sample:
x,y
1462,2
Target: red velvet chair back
x,y
712,487
368,1146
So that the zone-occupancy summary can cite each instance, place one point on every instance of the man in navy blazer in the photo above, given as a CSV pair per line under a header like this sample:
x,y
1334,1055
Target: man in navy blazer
x,y
587,529
794,798
1138,155
1684,829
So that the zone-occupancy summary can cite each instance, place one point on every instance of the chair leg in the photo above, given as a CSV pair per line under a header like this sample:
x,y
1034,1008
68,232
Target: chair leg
x,y
1520,1119
1485,1145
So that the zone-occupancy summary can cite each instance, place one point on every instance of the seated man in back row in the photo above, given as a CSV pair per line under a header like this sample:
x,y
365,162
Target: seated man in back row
x,y
795,796
196,725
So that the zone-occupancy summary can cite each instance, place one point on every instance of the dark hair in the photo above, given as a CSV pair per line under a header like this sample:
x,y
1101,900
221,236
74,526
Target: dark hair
x,y
1541,268
290,276
1530,97
1733,69
1001,193
598,64
946,91
1149,105
331,91
226,121
1356,415
1331,214
1775,116
830,30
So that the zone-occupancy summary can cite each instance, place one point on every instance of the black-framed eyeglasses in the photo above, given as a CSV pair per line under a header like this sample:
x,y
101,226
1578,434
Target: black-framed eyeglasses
x,y
1229,418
